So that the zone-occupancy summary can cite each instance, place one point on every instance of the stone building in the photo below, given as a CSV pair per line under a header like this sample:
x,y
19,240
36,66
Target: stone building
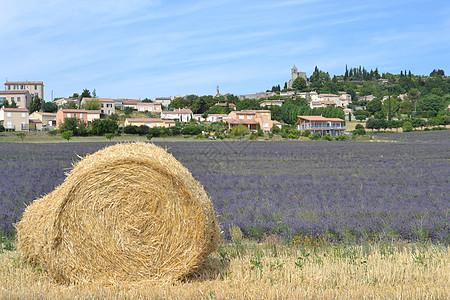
x,y
295,74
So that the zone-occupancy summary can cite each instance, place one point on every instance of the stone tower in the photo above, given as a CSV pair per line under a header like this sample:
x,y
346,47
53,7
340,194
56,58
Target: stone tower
x,y
295,73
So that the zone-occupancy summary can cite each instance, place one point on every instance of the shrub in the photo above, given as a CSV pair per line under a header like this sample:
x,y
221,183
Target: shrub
x,y
306,133
53,132
275,129
143,129
239,130
192,130
316,136
110,136
359,131
342,137
67,135
327,137
21,135
407,126
2,128
100,127
253,136
359,126
127,110
131,129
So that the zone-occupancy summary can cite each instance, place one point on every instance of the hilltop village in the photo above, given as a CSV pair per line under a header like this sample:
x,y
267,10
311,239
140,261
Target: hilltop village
x,y
317,107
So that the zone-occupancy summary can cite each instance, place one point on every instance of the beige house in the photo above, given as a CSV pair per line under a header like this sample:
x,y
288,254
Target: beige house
x,y
61,101
107,106
149,106
251,119
93,115
165,101
33,87
270,103
323,103
21,98
14,119
47,119
230,105
149,122
35,124
210,118
181,114
130,103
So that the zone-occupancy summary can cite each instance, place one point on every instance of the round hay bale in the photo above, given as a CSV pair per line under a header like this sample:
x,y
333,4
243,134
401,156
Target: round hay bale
x,y
130,212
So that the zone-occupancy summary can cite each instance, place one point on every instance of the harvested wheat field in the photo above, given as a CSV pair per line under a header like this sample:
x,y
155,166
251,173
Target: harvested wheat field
x,y
270,270
127,213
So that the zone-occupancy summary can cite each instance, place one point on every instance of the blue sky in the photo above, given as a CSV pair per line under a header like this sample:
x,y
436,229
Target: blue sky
x,y
138,49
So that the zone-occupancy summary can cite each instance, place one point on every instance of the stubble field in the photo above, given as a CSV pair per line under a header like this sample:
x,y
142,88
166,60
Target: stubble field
x,y
318,219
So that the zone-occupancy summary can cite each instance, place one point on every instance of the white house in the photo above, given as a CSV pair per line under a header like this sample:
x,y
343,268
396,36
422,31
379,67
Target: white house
x,y
181,114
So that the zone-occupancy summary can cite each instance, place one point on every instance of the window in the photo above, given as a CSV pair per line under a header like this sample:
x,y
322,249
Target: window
x,y
81,116
249,117
265,124
18,99
9,124
74,115
68,115
23,115
8,114
9,87
35,87
241,117
12,98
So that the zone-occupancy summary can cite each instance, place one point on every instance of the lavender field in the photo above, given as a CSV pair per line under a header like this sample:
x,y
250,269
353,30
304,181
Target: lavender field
x,y
339,191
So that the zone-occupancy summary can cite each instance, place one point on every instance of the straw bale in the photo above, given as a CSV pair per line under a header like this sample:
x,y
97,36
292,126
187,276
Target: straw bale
x,y
127,213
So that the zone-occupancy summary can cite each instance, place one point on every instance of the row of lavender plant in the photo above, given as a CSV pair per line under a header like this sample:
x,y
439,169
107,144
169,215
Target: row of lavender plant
x,y
344,191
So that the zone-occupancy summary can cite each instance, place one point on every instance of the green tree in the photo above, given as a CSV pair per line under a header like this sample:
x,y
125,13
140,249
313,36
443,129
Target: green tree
x,y
406,107
35,104
414,97
13,104
374,106
248,104
200,105
299,83
21,135
318,79
69,105
86,94
216,109
110,136
93,104
50,107
177,103
128,111
239,130
77,126
131,129
431,102
67,135
100,127
407,126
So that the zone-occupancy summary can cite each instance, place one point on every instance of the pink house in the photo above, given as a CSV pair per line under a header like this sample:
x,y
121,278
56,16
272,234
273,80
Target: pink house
x,y
70,113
